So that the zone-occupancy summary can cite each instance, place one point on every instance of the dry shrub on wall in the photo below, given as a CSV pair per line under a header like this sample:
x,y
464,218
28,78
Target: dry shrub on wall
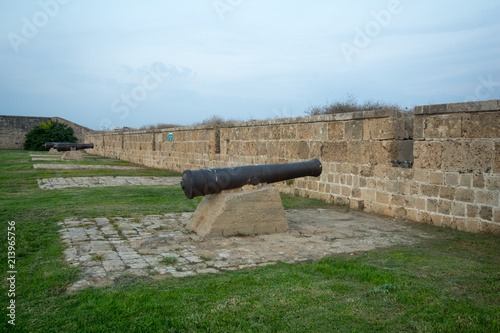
x,y
214,120
350,104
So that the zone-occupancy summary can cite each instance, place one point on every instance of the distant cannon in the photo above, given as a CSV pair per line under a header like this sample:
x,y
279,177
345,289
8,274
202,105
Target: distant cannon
x,y
66,146
211,181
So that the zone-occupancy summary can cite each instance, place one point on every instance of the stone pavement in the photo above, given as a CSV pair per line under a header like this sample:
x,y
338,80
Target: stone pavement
x,y
84,166
160,246
67,182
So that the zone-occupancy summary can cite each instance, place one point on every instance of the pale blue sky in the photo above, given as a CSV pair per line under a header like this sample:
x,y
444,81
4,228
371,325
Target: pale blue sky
x,y
134,63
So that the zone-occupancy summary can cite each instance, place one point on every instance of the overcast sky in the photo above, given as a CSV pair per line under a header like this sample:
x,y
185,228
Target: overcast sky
x,y
133,63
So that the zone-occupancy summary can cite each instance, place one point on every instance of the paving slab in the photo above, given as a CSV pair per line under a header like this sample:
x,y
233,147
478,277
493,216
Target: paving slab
x,y
84,166
160,246
39,159
58,183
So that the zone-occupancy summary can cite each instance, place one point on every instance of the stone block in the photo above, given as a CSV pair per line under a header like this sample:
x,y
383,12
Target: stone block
x,y
383,198
436,219
465,180
458,209
336,130
315,150
451,179
444,207
240,213
443,126
335,152
353,130
303,150
432,205
357,204
73,155
319,131
357,152
346,191
474,156
486,213
381,152
397,200
472,211
492,182
429,190
490,198
53,151
464,107
481,125
421,175
288,132
478,181
427,155
378,129
418,128
496,215
436,178
464,195
496,159
261,148
490,228
473,225
304,131
424,217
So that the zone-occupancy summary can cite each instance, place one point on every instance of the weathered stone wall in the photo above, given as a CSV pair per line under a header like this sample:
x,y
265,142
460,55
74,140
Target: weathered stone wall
x,y
454,182
13,129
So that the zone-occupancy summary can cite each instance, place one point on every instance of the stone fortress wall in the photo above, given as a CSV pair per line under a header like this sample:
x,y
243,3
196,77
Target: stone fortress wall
x,y
13,129
455,148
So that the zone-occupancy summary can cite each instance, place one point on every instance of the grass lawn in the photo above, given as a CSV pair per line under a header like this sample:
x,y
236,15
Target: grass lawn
x,y
448,284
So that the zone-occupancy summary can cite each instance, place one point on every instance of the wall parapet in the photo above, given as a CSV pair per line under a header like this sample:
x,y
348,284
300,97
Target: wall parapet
x,y
493,105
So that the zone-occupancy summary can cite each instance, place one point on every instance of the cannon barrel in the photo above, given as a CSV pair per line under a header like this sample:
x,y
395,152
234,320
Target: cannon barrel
x,y
49,145
66,146
211,181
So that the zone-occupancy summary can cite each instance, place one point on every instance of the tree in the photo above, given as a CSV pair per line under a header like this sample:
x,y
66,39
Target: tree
x,y
48,132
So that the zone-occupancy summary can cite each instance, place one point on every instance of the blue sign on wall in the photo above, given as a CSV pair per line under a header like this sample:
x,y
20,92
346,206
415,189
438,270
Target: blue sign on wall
x,y
170,137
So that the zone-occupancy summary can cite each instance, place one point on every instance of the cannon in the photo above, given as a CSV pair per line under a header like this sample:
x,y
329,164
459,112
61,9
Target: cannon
x,y
66,146
212,181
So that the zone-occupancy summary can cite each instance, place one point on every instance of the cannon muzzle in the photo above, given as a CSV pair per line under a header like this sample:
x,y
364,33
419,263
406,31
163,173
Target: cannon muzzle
x,y
211,181
66,146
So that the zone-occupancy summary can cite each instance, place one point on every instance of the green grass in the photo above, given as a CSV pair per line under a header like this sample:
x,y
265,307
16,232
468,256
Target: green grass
x,y
169,260
447,284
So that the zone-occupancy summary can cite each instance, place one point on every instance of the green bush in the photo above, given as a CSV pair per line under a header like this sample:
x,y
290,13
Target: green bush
x,y
48,132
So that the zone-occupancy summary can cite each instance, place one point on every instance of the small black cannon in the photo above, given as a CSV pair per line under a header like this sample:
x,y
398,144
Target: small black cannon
x,y
211,181
66,146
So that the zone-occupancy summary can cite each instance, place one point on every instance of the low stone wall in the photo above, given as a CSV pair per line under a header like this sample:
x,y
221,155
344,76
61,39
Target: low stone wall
x,y
13,129
455,148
